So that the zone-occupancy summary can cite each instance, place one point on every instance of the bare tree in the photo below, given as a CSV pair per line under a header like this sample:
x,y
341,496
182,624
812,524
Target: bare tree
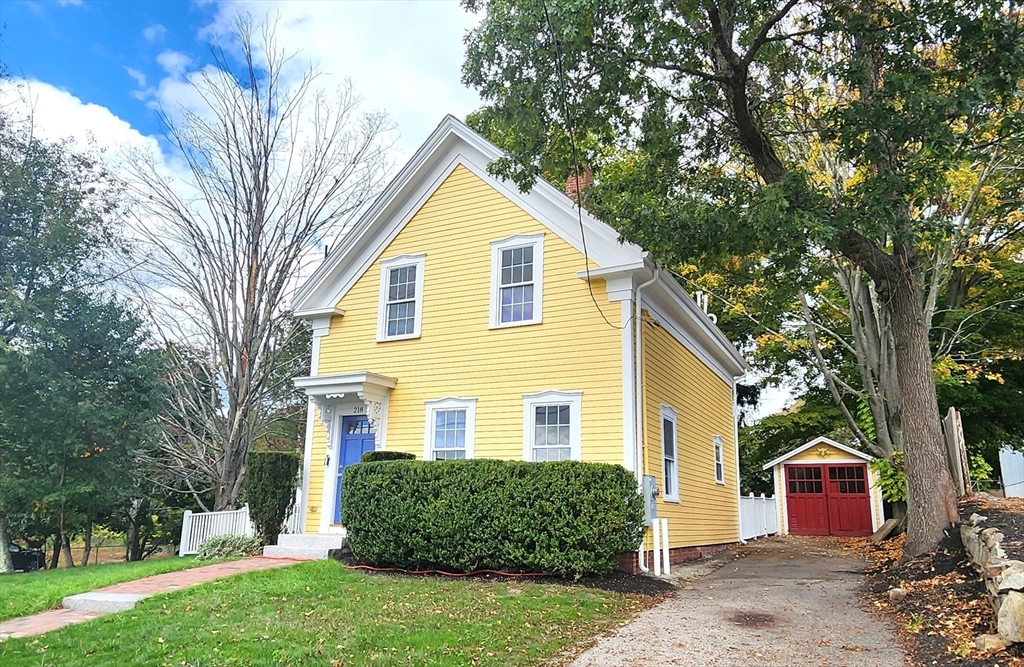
x,y
275,168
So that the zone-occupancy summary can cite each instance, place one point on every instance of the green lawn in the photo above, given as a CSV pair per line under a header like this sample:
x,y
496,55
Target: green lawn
x,y
319,613
31,592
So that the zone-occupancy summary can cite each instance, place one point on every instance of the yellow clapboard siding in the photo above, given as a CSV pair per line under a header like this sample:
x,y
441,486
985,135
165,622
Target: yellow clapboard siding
x,y
458,355
708,512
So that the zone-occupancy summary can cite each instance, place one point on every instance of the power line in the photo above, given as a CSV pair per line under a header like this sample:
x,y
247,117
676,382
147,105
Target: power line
x,y
576,167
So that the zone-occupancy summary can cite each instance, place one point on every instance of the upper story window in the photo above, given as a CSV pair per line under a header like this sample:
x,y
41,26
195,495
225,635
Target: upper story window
x,y
552,426
719,460
669,453
449,429
401,297
517,285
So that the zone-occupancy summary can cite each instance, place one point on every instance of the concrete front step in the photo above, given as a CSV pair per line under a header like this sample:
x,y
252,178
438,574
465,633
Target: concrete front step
x,y
103,603
311,553
311,540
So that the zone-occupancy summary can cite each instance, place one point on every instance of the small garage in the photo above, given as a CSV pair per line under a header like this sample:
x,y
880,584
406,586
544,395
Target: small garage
x,y
826,488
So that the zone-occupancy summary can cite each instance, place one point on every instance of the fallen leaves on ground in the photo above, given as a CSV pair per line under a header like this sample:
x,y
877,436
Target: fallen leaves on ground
x,y
945,607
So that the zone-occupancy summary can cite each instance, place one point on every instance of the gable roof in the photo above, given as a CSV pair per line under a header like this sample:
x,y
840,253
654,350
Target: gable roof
x,y
453,144
818,441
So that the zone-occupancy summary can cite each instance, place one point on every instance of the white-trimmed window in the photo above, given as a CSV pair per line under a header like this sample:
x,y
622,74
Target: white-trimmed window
x,y
669,453
517,280
401,297
552,425
719,460
449,429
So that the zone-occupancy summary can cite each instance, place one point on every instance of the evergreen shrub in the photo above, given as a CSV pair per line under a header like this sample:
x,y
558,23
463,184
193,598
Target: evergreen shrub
x,y
369,457
270,490
568,518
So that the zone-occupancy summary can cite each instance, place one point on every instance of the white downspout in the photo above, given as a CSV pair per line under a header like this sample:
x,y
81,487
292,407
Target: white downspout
x,y
638,408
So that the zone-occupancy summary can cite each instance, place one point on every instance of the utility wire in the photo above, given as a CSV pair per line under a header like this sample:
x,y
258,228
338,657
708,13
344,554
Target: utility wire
x,y
576,167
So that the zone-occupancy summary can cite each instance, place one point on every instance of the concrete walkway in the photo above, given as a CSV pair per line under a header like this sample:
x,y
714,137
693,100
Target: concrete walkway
x,y
780,602
123,596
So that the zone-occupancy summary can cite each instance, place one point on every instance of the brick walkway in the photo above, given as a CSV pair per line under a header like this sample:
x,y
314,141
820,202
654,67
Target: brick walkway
x,y
160,583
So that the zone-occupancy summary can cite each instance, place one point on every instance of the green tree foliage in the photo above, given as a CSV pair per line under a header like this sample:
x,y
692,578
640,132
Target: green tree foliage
x,y
711,115
270,490
79,384
812,416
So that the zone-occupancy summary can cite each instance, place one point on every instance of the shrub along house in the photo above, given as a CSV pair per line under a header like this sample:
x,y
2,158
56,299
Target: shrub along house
x,y
458,320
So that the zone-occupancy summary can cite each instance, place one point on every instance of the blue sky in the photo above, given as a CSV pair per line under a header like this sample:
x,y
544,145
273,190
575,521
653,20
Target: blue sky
x,y
88,49
118,60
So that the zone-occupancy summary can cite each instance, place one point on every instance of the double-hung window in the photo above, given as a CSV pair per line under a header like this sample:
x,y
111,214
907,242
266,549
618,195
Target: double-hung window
x,y
517,268
551,426
719,460
448,432
669,453
401,298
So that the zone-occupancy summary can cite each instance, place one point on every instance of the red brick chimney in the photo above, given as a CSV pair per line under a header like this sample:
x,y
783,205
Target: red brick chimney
x,y
584,181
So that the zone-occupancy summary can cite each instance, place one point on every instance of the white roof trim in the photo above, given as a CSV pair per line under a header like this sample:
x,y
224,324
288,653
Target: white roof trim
x,y
451,144
819,441
329,386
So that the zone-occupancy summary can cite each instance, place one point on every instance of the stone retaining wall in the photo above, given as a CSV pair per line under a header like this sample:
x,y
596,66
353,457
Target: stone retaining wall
x,y
1004,579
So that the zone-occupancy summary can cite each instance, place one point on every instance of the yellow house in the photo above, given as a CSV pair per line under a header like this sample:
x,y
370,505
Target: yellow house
x,y
463,318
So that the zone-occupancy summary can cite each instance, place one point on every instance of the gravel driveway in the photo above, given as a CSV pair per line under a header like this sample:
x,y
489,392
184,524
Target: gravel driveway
x,y
784,601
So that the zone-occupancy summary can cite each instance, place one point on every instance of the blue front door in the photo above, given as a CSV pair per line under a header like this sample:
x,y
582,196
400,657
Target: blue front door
x,y
356,440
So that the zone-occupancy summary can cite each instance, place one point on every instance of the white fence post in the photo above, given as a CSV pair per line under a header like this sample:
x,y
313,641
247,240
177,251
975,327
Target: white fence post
x,y
759,517
186,530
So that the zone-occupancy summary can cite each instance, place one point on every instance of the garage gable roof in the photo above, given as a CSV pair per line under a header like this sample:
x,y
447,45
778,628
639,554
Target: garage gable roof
x,y
818,441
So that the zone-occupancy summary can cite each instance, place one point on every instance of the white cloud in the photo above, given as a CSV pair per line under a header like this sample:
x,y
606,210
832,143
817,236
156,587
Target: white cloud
x,y
65,3
139,77
402,57
174,63
57,114
154,33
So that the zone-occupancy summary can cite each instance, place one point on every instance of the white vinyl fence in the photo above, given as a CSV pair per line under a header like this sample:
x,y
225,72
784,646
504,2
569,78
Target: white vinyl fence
x,y
197,527
759,517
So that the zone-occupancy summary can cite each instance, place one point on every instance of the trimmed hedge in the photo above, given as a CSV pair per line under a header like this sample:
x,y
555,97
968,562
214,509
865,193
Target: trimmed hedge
x,y
567,518
270,490
370,457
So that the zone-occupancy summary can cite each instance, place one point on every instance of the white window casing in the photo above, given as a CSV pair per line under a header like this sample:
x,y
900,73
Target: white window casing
x,y
518,285
553,400
399,303
719,460
669,453
449,407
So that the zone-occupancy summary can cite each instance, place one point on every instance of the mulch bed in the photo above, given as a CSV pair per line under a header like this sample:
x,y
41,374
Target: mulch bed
x,y
945,608
616,582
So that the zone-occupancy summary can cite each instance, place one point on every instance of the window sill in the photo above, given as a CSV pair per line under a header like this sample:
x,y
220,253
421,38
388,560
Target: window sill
x,y
390,339
674,501
722,483
512,325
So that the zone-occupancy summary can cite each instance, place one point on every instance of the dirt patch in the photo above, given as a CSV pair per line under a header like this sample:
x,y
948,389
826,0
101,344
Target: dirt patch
x,y
945,608
752,620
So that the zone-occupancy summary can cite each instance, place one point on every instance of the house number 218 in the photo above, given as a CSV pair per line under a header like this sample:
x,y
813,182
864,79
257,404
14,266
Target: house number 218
x,y
359,409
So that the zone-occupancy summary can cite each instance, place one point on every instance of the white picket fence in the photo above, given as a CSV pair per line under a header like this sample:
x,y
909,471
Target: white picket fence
x,y
197,527
759,517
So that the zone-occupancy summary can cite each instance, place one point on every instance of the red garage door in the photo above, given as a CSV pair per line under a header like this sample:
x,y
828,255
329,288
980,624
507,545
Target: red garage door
x,y
828,500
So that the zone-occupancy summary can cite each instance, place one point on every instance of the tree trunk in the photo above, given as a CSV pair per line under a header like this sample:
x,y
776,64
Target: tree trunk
x,y
87,541
55,558
931,499
6,565
65,541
